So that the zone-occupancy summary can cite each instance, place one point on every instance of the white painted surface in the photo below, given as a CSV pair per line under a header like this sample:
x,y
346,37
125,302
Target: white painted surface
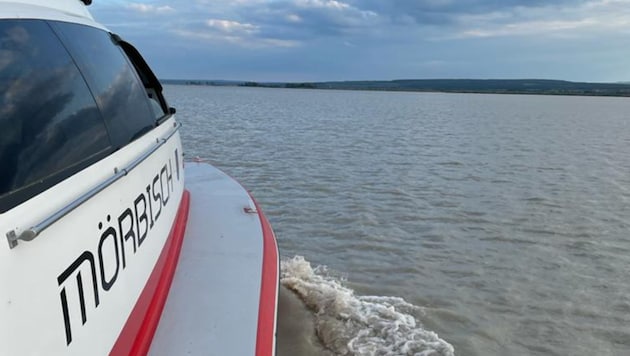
x,y
31,315
212,307
60,10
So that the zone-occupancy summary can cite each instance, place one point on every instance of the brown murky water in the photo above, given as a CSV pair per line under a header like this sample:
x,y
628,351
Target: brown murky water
x,y
499,223
296,327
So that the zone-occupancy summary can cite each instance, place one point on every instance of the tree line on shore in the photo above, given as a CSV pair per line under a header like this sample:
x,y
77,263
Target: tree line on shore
x,y
498,86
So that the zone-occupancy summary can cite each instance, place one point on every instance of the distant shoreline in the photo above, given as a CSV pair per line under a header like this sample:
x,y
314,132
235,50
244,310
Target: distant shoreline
x,y
472,86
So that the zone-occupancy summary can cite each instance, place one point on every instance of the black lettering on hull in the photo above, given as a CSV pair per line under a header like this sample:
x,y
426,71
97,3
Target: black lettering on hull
x,y
86,256
126,235
131,228
110,231
157,198
141,218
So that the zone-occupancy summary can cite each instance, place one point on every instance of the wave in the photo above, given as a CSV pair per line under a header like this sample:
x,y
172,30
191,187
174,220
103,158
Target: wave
x,y
348,324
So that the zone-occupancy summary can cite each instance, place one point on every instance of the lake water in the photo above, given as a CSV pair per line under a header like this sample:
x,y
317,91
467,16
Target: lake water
x,y
419,223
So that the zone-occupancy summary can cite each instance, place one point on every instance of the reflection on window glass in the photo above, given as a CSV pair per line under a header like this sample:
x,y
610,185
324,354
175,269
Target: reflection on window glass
x,y
49,121
148,79
157,110
117,89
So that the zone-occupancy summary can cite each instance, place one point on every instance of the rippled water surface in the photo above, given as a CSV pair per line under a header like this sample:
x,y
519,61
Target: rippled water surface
x,y
503,221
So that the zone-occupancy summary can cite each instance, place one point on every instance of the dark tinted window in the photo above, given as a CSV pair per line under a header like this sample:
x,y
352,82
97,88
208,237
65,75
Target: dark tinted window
x,y
118,91
149,80
50,125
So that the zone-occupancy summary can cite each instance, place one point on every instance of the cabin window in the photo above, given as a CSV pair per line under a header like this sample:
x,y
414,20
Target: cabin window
x,y
50,125
115,84
151,84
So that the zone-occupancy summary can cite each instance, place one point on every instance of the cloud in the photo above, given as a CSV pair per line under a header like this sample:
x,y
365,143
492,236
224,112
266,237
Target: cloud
x,y
150,9
445,12
529,28
233,32
322,4
293,18
357,20
232,27
380,38
585,20
307,20
236,39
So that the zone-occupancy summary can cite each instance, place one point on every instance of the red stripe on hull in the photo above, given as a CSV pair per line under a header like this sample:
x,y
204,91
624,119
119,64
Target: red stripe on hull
x,y
265,337
137,334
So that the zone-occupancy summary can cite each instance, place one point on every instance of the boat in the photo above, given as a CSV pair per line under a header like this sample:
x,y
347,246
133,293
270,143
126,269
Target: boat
x,y
114,243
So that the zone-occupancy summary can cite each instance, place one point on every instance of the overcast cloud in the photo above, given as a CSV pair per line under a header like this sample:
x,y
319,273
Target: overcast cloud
x,y
315,40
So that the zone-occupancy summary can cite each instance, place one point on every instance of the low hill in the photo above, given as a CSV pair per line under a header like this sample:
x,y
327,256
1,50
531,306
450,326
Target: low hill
x,y
513,86
499,86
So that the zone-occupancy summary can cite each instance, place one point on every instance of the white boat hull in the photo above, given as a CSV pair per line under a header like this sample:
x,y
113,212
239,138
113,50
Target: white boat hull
x,y
76,284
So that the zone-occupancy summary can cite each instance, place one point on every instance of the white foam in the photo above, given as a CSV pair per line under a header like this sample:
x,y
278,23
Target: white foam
x,y
348,324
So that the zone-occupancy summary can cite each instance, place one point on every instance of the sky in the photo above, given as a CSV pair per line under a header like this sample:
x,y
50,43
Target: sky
x,y
321,40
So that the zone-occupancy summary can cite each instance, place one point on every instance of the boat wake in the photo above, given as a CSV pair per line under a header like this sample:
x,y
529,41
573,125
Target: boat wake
x,y
347,324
